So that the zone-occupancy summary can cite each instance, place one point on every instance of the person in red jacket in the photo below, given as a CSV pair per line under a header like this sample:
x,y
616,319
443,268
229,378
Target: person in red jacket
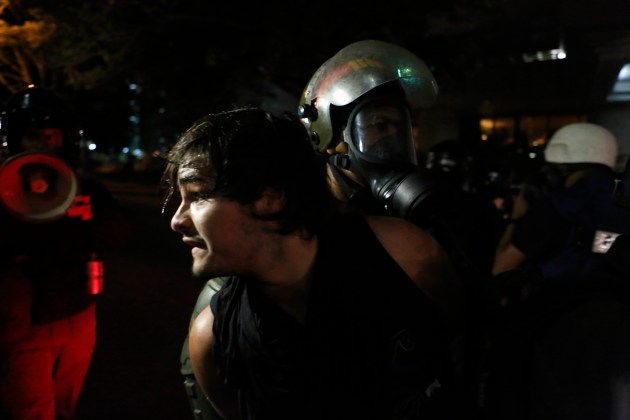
x,y
55,222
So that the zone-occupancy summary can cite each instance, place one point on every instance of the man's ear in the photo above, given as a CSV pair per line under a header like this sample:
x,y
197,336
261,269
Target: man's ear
x,y
271,201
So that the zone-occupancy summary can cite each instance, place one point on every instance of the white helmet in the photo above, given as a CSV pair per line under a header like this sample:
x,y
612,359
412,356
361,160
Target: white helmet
x,y
582,143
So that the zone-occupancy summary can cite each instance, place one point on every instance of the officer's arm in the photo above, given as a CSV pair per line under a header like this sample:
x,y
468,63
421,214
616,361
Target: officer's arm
x,y
424,261
507,257
201,357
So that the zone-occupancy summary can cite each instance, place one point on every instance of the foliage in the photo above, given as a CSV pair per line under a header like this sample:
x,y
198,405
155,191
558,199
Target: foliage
x,y
91,46
23,33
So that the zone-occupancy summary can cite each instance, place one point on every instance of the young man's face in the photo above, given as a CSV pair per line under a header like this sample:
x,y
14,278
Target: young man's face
x,y
222,233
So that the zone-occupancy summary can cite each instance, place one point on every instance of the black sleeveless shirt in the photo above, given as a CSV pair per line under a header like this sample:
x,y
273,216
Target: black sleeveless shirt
x,y
372,346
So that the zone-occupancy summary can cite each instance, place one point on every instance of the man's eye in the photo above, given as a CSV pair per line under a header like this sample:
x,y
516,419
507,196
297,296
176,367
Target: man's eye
x,y
196,195
201,195
380,124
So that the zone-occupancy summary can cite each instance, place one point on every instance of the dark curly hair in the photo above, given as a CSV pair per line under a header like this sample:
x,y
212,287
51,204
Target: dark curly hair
x,y
248,150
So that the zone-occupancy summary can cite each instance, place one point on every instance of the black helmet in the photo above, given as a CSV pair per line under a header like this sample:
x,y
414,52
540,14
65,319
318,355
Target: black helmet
x,y
40,109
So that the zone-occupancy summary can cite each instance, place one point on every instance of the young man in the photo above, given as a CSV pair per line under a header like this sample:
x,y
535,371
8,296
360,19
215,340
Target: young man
x,y
324,315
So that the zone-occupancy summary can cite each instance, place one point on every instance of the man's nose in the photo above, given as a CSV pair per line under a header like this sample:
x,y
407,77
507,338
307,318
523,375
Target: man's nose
x,y
180,219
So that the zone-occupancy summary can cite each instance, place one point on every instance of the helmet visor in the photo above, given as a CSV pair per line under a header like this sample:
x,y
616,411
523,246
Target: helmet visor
x,y
381,132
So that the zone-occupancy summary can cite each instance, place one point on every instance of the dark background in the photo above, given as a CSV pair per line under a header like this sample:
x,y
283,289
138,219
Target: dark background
x,y
142,317
191,57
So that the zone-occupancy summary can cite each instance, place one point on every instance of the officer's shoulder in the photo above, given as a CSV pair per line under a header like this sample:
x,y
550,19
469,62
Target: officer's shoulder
x,y
400,236
394,225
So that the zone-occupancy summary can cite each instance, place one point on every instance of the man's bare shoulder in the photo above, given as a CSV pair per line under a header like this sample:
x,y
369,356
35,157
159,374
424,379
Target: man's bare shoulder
x,y
201,330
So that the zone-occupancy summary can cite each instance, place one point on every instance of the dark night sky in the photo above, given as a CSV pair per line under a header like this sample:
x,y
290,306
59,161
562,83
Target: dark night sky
x,y
197,56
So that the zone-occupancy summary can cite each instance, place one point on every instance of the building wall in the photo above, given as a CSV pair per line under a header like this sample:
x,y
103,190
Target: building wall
x,y
617,120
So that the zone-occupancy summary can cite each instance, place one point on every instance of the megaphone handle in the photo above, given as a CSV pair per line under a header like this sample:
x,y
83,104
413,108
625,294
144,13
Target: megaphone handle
x,y
94,271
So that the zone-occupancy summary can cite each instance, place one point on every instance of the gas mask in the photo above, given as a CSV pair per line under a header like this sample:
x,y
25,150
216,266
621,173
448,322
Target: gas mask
x,y
381,153
555,175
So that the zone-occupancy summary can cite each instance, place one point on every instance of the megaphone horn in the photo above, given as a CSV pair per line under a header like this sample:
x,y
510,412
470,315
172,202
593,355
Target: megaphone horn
x,y
37,187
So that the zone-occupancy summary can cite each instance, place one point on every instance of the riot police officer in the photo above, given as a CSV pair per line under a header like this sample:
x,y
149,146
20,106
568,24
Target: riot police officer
x,y
563,233
561,337
361,108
